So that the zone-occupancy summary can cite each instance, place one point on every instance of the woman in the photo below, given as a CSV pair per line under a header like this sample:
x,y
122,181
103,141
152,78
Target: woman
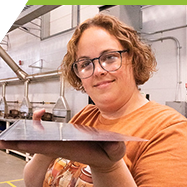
x,y
106,59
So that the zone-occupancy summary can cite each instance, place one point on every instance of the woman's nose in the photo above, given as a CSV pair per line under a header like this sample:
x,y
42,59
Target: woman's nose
x,y
98,69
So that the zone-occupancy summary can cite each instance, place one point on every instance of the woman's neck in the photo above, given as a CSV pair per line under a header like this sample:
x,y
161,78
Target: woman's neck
x,y
133,103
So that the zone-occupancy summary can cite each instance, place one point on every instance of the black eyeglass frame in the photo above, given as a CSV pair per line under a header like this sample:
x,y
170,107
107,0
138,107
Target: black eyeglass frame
x,y
98,58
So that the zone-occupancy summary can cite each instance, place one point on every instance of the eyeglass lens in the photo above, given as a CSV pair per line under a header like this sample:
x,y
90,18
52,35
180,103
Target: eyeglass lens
x,y
110,61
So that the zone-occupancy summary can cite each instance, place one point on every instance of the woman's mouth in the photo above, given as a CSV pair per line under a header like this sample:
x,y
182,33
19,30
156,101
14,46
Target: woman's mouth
x,y
103,83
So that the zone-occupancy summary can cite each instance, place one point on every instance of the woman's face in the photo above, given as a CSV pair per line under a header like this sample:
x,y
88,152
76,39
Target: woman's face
x,y
109,90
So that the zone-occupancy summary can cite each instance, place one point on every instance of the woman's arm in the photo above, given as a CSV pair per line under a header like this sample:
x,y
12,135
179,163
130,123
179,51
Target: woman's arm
x,y
35,170
117,176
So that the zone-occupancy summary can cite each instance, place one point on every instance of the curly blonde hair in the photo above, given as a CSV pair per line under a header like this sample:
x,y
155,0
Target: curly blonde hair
x,y
143,59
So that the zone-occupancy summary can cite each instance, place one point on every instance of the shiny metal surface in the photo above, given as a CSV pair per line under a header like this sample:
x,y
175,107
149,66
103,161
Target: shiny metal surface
x,y
29,130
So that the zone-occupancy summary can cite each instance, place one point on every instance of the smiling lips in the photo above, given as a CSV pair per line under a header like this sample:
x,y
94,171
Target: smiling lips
x,y
103,83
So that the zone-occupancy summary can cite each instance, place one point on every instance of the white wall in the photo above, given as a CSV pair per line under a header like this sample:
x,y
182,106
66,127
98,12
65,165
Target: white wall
x,y
161,87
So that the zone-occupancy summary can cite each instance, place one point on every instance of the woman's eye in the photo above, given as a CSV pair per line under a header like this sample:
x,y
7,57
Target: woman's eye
x,y
85,64
109,58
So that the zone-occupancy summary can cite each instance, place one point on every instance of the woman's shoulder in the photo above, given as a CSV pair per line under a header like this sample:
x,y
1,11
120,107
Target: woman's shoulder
x,y
164,114
161,108
86,114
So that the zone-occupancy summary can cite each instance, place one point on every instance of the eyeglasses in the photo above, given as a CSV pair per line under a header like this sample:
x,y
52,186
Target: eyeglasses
x,y
109,61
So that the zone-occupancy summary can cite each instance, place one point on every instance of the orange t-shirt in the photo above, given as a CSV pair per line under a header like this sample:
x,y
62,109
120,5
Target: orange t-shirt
x,y
161,161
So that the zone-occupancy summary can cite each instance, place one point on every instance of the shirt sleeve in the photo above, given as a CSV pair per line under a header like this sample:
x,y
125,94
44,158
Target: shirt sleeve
x,y
164,160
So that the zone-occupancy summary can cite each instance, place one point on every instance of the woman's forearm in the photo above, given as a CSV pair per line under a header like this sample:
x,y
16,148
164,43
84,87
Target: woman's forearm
x,y
118,176
35,170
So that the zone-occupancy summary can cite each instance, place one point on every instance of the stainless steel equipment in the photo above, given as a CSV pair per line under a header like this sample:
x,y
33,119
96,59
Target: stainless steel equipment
x,y
26,107
3,103
61,109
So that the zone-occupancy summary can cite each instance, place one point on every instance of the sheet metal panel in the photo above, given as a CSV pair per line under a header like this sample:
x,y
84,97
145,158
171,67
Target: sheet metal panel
x,y
30,130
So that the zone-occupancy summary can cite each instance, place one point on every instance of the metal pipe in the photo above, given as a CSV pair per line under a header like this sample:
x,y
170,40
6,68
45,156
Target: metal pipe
x,y
26,105
4,89
35,102
12,102
26,87
177,97
43,103
33,77
62,90
164,30
62,86
45,75
3,103
18,71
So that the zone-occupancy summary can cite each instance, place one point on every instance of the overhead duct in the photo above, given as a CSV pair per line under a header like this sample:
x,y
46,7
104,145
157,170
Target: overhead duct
x,y
31,13
33,77
129,14
18,71
61,108
3,103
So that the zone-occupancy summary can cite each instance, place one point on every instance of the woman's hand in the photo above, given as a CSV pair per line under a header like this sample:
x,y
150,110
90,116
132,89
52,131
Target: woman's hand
x,y
37,115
